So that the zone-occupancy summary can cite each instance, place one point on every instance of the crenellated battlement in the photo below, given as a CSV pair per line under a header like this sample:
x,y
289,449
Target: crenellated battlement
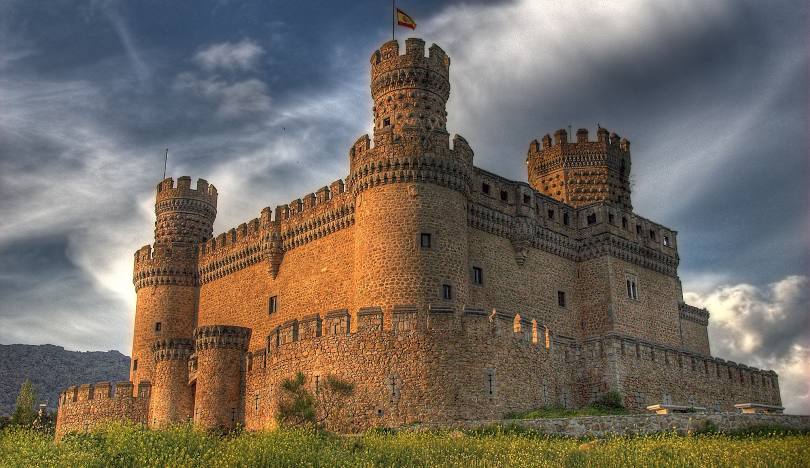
x,y
172,349
221,336
184,215
387,58
164,265
410,91
581,172
204,192
289,226
84,407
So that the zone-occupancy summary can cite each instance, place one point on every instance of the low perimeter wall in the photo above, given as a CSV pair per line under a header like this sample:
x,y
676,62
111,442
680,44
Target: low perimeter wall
x,y
642,423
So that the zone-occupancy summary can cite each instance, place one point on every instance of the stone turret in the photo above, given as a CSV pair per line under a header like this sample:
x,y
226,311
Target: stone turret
x,y
583,172
410,91
166,283
411,186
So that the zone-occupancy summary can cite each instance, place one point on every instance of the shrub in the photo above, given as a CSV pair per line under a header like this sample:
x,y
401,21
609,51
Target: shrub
x,y
298,407
610,400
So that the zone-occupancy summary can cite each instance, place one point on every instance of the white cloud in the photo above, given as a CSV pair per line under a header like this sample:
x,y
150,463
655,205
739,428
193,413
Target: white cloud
x,y
764,327
242,55
233,98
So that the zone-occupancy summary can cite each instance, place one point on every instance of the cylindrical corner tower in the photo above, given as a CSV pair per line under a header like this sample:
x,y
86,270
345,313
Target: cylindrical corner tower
x,y
582,172
218,400
411,187
172,399
165,276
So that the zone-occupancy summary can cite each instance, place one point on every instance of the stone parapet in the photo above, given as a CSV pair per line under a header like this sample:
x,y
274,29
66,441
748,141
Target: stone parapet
x,y
693,314
221,336
172,349
88,406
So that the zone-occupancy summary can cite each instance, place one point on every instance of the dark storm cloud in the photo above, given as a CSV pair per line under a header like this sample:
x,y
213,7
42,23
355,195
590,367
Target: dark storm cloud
x,y
264,100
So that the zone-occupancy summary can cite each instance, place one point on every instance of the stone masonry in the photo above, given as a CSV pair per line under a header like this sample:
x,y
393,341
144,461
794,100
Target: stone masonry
x,y
444,292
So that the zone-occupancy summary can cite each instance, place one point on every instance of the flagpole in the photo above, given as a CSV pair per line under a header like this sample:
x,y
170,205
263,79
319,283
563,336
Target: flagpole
x,y
165,163
393,19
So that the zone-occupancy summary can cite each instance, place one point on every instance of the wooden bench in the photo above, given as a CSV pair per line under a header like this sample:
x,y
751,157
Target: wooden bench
x,y
754,408
670,409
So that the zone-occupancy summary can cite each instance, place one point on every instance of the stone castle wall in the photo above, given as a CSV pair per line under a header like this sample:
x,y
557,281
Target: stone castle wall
x,y
438,366
87,406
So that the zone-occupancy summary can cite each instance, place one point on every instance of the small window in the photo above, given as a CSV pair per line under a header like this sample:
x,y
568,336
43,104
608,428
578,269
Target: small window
x,y
638,229
565,219
624,223
550,214
424,240
504,195
134,365
527,199
632,286
447,292
666,241
652,234
561,298
485,188
158,326
611,218
591,219
272,305
256,403
478,275
386,122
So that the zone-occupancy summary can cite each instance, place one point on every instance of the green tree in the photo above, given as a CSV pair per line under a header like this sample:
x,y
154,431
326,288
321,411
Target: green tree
x,y
24,414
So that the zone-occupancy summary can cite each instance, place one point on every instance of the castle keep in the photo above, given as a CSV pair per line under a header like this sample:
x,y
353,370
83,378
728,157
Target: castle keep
x,y
442,291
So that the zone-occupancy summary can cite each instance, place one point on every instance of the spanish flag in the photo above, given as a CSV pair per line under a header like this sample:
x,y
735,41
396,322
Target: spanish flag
x,y
404,20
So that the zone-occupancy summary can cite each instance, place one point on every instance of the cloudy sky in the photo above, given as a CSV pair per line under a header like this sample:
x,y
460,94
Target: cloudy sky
x,y
264,100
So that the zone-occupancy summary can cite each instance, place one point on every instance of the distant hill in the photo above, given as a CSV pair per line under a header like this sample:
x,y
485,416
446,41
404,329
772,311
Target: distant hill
x,y
52,369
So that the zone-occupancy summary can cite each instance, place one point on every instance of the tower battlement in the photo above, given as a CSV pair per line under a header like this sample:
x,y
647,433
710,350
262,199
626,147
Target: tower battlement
x,y
410,91
581,172
184,215
204,192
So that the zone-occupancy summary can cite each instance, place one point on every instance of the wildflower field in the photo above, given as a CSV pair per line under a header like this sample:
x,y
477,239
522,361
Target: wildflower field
x,y
121,445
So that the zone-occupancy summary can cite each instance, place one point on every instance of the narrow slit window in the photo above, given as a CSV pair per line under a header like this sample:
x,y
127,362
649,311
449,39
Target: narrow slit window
x,y
565,219
652,234
561,298
272,305
386,122
478,275
527,199
504,195
425,240
550,214
447,292
666,241
158,326
485,188
624,223
134,365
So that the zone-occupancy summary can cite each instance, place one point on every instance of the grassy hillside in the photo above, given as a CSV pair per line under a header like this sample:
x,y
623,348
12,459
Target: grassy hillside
x,y
131,446
52,369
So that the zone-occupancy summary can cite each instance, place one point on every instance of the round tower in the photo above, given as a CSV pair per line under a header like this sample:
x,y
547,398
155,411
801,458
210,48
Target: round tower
x,y
172,399
411,187
218,399
165,276
582,172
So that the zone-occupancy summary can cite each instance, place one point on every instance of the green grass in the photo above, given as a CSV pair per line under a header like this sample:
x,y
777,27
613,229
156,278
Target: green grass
x,y
120,445
555,412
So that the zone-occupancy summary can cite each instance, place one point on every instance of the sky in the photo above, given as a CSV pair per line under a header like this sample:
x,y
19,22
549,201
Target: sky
x,y
264,99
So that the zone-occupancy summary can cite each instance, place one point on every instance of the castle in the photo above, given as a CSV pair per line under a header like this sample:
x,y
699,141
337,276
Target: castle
x,y
443,292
